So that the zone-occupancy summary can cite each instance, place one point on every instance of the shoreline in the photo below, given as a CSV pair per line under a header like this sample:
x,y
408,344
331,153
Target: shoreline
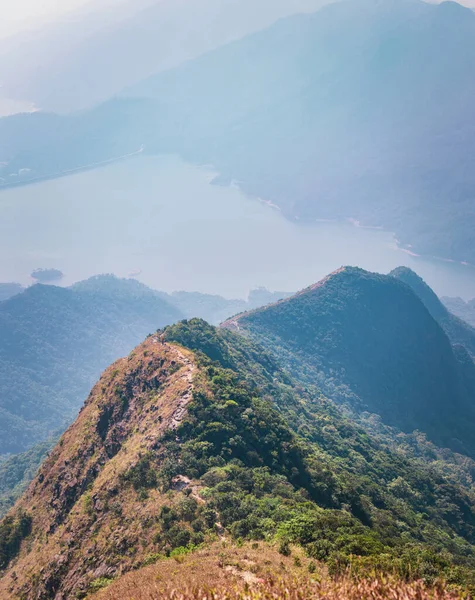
x,y
67,172
406,248
217,179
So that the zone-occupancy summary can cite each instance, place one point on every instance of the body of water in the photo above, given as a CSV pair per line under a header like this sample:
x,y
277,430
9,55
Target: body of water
x,y
161,220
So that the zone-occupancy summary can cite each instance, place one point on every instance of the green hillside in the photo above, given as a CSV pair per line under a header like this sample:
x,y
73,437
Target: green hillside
x,y
458,330
54,343
369,342
198,434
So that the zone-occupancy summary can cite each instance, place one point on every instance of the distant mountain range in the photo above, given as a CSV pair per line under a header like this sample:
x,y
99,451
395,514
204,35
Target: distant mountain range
x,y
362,110
463,309
91,55
54,343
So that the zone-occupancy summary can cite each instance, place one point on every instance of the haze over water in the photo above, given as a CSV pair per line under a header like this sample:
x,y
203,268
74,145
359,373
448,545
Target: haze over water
x,y
160,218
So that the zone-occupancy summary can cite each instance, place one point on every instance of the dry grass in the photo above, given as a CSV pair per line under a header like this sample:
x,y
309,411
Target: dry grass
x,y
257,572
327,590
220,565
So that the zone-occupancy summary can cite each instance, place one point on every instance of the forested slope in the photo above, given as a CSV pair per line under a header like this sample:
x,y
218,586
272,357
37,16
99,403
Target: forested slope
x,y
199,432
369,342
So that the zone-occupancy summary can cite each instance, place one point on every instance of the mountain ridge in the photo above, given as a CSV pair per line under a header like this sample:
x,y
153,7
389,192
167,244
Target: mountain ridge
x,y
54,344
459,331
109,432
199,432
327,335
55,341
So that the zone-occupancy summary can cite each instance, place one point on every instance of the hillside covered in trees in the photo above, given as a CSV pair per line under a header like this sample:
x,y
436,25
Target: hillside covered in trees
x,y
370,343
459,331
197,435
54,343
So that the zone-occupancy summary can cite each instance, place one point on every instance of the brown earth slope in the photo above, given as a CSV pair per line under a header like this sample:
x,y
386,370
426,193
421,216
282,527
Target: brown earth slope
x,y
85,524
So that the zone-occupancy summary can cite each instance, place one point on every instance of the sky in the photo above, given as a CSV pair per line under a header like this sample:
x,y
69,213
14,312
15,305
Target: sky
x,y
17,15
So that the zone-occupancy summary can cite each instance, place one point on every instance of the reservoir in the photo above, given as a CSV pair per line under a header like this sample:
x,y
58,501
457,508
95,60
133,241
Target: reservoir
x,y
164,222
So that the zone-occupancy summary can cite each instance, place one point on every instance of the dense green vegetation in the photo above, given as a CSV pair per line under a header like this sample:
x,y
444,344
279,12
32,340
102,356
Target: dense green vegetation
x,y
370,343
17,471
13,529
280,461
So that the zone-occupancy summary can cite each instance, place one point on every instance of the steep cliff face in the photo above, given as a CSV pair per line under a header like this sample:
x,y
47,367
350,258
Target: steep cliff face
x,y
83,516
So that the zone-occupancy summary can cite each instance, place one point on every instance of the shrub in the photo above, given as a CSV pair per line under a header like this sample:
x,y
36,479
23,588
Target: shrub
x,y
13,529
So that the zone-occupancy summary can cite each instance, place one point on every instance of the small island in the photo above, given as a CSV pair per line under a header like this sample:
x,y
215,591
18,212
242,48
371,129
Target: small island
x,y
47,275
